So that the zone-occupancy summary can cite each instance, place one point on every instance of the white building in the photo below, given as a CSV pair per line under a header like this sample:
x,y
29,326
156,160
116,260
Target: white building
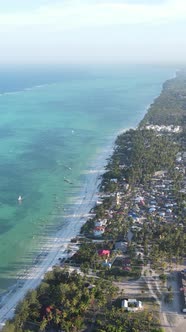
x,y
131,305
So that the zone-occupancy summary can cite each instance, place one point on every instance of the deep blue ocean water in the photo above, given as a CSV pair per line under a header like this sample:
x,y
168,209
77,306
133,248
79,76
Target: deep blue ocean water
x,y
54,121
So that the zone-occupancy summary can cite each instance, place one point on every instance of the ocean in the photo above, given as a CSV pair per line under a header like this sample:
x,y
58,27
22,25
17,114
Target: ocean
x,y
54,123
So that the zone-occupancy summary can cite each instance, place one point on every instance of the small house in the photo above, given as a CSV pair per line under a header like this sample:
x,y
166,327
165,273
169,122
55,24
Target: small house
x,y
99,231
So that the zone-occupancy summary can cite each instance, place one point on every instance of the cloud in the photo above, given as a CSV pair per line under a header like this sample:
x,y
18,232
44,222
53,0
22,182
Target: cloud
x,y
75,13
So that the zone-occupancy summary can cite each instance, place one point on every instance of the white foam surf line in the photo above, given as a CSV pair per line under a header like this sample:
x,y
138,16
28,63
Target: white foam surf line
x,y
59,245
28,89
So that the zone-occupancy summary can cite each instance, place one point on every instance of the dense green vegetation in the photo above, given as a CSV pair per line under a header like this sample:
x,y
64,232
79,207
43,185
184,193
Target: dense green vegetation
x,y
61,302
70,302
116,320
167,242
169,108
141,152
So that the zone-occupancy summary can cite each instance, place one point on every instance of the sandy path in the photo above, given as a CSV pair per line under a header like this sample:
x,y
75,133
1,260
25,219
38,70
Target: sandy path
x,y
57,247
172,315
172,320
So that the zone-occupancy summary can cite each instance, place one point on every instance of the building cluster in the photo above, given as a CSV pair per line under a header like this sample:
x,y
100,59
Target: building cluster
x,y
163,128
154,202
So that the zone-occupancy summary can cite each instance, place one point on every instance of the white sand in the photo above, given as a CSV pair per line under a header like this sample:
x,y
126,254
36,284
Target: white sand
x,y
57,247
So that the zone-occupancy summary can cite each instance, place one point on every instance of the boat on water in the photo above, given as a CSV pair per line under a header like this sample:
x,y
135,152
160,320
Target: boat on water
x,y
67,167
68,181
20,198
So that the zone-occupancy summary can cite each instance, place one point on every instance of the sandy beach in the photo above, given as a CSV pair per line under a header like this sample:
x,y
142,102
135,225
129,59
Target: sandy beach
x,y
59,246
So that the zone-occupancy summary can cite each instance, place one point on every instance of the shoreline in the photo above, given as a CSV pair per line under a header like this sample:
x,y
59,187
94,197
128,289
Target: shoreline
x,y
57,245
145,185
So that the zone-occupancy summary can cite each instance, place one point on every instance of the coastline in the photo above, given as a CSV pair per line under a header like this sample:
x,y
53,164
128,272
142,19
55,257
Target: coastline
x,y
58,246
48,195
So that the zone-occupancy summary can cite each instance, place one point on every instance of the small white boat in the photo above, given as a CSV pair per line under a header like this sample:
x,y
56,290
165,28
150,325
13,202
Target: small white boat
x,y
19,199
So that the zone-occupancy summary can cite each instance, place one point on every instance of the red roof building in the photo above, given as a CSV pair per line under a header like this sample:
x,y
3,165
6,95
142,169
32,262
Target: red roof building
x,y
104,252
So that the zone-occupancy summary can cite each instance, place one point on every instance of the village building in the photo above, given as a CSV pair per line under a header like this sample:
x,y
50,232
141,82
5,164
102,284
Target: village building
x,y
131,305
99,231
104,252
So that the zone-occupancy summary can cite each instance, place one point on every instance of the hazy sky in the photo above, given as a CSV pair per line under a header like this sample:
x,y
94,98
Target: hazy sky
x,y
86,31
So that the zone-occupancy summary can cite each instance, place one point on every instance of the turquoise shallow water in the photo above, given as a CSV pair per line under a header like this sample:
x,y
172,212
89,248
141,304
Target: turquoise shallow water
x,y
52,128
